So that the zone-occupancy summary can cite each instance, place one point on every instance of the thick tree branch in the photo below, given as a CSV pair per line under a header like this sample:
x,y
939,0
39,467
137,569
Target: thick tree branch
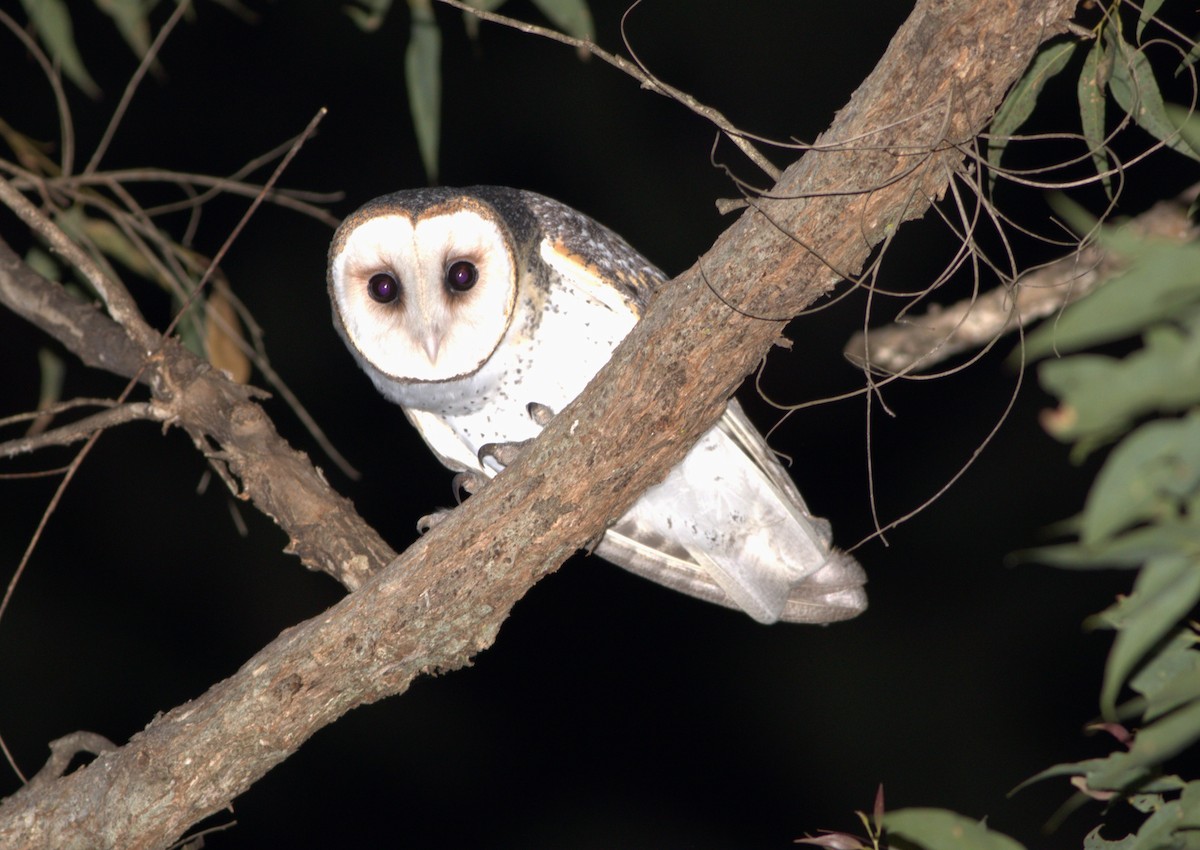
x,y
891,150
323,528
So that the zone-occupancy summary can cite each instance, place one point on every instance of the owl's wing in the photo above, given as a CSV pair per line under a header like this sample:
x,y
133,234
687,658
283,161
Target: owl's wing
x,y
747,543
443,441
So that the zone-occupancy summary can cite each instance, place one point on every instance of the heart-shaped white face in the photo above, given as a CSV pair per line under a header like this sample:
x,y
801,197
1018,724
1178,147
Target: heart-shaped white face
x,y
426,297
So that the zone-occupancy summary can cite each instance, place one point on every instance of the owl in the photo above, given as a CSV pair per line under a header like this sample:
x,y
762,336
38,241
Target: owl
x,y
482,311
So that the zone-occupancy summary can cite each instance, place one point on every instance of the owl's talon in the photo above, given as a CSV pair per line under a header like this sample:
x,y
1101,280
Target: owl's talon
x,y
427,522
539,413
468,480
503,453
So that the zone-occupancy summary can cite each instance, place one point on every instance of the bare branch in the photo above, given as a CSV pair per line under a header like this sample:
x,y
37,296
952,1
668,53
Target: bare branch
x,y
920,342
65,435
116,298
63,749
322,527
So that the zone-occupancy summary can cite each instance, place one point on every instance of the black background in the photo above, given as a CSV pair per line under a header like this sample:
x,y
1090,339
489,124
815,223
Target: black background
x,y
609,713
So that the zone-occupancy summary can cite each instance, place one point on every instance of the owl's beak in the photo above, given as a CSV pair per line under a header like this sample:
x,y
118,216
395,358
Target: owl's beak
x,y
431,341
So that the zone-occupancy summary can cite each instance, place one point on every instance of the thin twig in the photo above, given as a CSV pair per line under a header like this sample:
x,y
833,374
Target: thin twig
x,y
60,96
635,70
132,86
65,435
63,749
919,342
297,143
117,300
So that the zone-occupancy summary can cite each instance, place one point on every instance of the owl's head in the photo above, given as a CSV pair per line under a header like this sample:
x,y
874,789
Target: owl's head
x,y
423,283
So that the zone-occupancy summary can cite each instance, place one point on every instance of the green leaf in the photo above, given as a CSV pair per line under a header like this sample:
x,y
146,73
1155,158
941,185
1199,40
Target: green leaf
x,y
939,829
132,18
422,73
1091,768
1023,97
1134,87
470,22
1187,122
1101,396
1176,658
1166,738
1093,80
1169,684
53,370
1094,841
1150,475
1161,281
52,20
570,16
1165,591
1190,59
1131,549
368,15
1149,10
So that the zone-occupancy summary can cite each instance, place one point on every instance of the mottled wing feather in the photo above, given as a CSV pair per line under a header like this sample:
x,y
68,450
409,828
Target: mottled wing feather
x,y
735,423
832,592
599,252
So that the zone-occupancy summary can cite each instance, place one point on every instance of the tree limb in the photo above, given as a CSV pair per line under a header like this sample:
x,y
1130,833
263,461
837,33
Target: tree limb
x,y
918,343
891,150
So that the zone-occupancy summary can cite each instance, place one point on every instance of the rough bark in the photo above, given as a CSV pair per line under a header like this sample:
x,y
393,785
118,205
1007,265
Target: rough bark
x,y
891,150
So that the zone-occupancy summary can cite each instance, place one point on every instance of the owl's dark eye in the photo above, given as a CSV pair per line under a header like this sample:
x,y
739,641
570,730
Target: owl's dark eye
x,y
384,288
461,276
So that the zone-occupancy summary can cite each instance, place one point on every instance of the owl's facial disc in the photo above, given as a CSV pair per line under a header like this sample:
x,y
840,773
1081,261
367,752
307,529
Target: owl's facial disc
x,y
428,300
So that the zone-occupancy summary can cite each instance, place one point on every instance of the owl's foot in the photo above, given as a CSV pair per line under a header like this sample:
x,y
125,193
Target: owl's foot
x,y
427,522
468,480
539,413
505,453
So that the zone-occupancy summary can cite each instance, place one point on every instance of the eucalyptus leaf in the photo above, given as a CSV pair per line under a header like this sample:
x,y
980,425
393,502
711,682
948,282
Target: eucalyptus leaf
x,y
1105,395
1023,97
368,15
1183,687
1165,591
570,16
1095,841
1162,280
1149,10
1176,659
422,76
1119,772
471,22
1167,737
1135,88
939,829
1093,80
191,327
132,18
1187,121
52,20
1127,550
52,370
1149,475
